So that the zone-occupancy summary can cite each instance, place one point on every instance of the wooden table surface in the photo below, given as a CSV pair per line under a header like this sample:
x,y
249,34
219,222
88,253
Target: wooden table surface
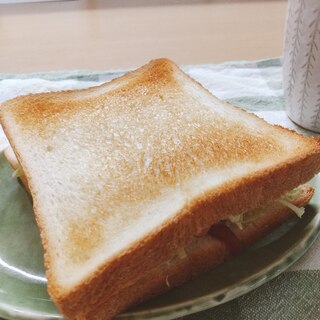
x,y
110,34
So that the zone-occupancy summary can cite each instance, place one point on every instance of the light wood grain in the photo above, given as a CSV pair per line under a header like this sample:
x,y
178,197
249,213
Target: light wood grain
x,y
102,35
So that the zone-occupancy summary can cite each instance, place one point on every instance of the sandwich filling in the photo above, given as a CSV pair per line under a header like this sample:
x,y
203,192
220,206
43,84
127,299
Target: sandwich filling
x,y
224,230
243,220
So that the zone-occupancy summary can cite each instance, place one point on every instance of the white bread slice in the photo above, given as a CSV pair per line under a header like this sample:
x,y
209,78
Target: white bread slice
x,y
125,173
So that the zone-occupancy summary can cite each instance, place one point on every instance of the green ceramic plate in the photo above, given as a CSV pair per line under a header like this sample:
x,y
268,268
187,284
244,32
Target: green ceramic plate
x,y
23,292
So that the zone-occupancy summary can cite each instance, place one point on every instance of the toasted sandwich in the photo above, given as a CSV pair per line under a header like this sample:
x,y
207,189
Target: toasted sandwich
x,y
146,181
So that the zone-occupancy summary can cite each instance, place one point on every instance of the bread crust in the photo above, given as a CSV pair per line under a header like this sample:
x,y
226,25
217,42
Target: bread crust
x,y
257,188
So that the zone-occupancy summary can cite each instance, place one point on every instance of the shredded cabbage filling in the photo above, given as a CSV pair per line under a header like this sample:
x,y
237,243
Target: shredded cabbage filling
x,y
18,172
242,220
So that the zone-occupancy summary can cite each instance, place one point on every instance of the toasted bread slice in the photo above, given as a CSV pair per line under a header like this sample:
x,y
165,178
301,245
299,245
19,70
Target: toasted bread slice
x,y
125,173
